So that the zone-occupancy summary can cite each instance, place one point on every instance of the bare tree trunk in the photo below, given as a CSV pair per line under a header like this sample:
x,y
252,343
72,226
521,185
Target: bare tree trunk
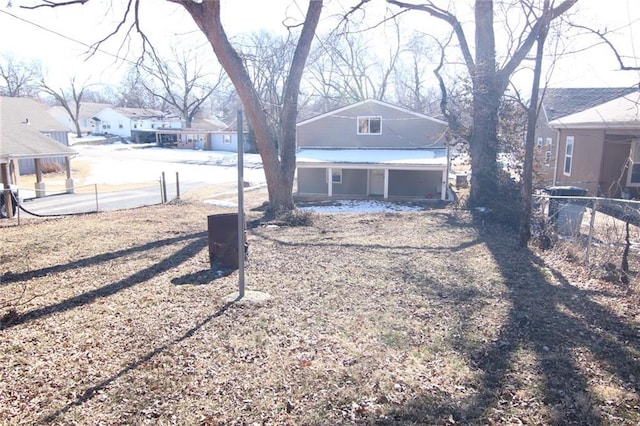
x,y
279,167
524,234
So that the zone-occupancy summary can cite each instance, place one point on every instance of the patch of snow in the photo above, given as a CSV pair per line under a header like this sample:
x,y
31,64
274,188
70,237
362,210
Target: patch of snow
x,y
359,206
221,203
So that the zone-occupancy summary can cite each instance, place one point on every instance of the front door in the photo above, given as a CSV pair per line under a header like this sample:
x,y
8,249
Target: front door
x,y
376,182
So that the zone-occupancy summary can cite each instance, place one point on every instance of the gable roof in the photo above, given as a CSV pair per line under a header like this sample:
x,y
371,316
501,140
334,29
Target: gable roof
x,y
620,113
370,102
135,113
87,109
23,125
561,102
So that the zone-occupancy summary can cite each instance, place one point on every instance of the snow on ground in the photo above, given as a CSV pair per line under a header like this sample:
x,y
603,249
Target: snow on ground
x,y
132,163
358,206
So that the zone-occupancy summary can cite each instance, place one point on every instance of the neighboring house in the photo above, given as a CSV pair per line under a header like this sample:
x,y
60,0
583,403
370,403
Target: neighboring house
x,y
137,124
30,138
372,149
599,148
85,116
203,135
557,103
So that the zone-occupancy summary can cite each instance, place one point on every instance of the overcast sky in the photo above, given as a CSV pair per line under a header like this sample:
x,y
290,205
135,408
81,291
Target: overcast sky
x,y
47,34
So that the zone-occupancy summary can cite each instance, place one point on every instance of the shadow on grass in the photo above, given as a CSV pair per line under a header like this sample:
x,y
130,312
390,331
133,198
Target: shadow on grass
x,y
205,276
94,390
548,317
177,258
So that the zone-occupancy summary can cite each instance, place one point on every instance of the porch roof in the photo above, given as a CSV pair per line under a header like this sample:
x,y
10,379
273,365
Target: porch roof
x,y
400,157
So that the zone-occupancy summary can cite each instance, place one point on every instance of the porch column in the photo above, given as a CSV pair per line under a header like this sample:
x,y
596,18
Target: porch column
x,y
445,179
69,181
39,185
330,182
386,183
8,202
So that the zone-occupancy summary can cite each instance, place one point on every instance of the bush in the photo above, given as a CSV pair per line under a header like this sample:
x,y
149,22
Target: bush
x,y
50,167
295,218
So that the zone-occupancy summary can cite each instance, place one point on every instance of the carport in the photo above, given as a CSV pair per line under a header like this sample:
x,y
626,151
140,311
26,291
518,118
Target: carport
x,y
372,173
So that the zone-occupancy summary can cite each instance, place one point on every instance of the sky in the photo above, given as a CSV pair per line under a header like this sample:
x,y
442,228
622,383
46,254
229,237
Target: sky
x,y
59,37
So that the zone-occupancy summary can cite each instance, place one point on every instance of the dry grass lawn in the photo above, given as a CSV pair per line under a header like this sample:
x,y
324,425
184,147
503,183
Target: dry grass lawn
x,y
389,318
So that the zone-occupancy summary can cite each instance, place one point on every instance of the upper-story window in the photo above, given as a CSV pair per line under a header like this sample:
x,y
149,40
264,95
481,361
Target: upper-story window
x,y
369,125
568,156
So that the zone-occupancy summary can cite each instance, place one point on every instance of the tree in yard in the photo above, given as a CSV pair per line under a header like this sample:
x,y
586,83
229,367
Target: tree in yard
x,y
182,83
278,159
131,93
489,77
19,78
70,99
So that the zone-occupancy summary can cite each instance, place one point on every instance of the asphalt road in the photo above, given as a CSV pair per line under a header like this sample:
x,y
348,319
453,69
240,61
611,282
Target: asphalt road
x,y
66,204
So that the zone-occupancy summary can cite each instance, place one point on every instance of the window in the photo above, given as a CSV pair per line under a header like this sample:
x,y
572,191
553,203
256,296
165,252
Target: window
x,y
633,174
226,139
568,156
369,125
336,175
539,142
549,141
120,126
547,158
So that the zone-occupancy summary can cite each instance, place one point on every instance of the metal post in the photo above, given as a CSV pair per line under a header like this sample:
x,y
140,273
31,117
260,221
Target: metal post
x,y
591,225
177,186
164,189
95,188
240,208
18,204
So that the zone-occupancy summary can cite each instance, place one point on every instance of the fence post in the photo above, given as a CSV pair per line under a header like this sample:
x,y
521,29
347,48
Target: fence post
x,y
177,186
95,190
591,225
164,188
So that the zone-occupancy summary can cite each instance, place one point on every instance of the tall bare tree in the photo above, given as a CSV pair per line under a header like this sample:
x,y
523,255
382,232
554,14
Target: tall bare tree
x,y
278,160
183,83
489,77
70,99
19,77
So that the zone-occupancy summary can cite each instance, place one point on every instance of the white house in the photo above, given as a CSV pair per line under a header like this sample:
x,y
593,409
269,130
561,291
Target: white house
x,y
85,116
134,123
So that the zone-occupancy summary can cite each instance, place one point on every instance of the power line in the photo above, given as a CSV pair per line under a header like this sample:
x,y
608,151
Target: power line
x,y
88,46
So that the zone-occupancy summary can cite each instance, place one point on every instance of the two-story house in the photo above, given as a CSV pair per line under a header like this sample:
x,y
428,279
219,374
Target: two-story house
x,y
372,149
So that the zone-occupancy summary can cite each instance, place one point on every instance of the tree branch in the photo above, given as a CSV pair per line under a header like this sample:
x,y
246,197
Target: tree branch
x,y
605,40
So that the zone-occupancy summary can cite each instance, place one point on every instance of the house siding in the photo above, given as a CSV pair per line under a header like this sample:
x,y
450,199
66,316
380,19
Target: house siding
x,y
415,183
312,181
28,166
354,182
399,130
586,162
543,171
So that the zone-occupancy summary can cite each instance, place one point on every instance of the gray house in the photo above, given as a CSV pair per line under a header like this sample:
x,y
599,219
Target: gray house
x,y
372,149
30,139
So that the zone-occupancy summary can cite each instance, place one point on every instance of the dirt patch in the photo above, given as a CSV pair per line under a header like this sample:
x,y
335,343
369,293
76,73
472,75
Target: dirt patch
x,y
388,318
